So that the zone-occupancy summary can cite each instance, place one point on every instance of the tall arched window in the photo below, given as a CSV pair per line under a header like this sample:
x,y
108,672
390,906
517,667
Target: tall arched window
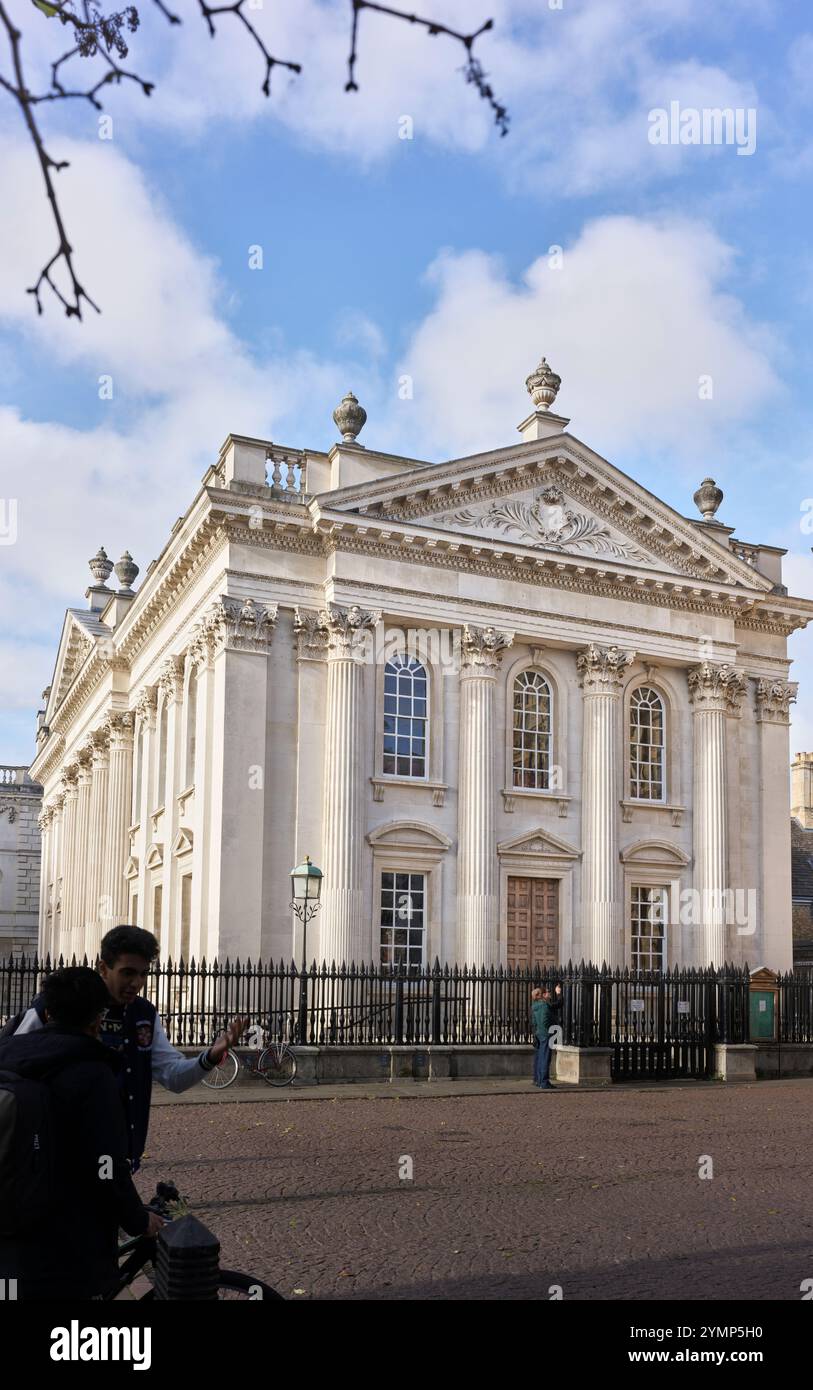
x,y
647,744
533,731
406,717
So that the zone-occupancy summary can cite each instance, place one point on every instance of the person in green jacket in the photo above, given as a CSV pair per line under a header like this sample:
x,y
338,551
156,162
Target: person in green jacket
x,y
543,1008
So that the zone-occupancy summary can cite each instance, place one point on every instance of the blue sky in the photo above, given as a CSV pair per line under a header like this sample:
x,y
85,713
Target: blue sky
x,y
428,255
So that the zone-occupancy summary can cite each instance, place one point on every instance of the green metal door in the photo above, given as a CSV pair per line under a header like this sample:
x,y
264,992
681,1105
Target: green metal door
x,y
762,1014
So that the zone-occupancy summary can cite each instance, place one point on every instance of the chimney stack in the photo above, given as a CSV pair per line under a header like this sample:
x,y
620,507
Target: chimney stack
x,y
801,789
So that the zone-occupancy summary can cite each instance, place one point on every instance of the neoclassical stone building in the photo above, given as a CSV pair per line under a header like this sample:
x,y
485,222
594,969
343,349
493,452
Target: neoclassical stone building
x,y
514,706
20,807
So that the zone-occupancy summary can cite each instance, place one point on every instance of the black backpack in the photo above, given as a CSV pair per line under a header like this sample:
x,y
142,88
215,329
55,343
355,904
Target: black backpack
x,y
28,1167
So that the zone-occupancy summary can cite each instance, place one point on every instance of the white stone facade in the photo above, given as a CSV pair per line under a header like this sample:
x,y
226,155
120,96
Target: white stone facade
x,y
544,619
20,806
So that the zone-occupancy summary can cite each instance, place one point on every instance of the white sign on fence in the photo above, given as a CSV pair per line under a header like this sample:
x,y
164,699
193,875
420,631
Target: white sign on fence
x,y
683,1006
637,1006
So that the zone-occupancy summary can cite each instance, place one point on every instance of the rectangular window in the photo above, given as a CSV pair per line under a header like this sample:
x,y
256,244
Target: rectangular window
x,y
134,911
403,919
648,929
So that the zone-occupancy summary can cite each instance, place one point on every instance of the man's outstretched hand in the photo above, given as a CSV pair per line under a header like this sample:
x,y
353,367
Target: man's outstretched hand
x,y
229,1038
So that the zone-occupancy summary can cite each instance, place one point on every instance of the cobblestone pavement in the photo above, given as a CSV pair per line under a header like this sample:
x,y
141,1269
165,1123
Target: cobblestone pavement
x,y
512,1193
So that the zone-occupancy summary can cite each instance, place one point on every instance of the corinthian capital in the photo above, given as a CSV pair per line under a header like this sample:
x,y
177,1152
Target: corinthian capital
x,y
119,725
347,629
601,669
481,648
716,686
312,635
146,703
774,699
240,625
170,679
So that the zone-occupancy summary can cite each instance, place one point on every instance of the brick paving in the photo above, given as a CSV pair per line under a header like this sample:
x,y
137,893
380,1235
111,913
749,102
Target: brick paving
x,y
513,1192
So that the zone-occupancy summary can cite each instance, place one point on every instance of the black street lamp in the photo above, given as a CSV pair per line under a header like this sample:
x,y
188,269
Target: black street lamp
x,y
307,888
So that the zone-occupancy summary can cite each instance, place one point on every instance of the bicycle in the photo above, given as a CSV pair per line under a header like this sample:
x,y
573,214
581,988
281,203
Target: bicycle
x,y
275,1063
138,1254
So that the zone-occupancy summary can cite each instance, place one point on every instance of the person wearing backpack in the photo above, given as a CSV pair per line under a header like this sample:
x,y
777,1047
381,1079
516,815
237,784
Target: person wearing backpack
x,y
65,1182
131,1027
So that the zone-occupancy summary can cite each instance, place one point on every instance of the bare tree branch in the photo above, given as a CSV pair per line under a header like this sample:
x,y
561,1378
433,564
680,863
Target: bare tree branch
x,y
473,70
103,36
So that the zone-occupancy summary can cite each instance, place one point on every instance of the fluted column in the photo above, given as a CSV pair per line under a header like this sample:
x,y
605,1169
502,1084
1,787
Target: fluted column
x,y
343,936
477,898
81,856
114,890
601,671
67,893
44,821
97,837
170,684
715,691
53,886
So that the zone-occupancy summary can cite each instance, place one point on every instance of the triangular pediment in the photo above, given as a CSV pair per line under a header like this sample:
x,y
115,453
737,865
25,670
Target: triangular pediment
x,y
538,842
555,497
80,634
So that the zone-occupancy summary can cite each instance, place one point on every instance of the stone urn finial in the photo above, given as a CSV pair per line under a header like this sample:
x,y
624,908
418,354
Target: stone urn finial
x,y
708,498
349,418
100,567
543,385
126,571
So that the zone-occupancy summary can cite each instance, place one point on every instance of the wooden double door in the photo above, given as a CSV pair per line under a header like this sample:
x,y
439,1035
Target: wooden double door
x,y
532,936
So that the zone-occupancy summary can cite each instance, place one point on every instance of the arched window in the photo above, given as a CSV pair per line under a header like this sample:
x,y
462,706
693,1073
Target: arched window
x,y
647,744
405,717
533,731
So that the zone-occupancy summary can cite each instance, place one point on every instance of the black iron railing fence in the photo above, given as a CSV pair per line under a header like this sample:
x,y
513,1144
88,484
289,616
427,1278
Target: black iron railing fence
x,y
366,1005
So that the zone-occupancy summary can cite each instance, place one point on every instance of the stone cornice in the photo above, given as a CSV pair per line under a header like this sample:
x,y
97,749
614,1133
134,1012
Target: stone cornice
x,y
773,701
601,669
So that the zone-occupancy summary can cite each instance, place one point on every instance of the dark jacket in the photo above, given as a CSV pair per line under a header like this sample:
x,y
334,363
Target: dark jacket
x,y
74,1253
543,1013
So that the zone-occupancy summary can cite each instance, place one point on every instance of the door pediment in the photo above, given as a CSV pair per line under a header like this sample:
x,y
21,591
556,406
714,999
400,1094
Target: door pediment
x,y
539,843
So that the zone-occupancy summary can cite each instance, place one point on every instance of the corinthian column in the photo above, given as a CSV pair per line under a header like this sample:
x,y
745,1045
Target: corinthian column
x,y
715,691
477,906
97,817
43,937
601,671
114,892
80,851
343,936
65,886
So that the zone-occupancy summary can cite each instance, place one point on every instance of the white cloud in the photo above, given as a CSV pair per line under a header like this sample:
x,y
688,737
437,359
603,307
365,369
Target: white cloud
x,y
637,313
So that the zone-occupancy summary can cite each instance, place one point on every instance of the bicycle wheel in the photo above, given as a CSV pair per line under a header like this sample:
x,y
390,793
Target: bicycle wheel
x,y
246,1287
277,1065
223,1074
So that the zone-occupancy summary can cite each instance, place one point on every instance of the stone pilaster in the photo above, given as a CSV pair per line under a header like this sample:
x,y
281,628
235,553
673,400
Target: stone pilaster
x,y
171,685
773,701
241,634
601,673
311,646
97,835
716,691
343,936
477,897
53,887
114,893
146,707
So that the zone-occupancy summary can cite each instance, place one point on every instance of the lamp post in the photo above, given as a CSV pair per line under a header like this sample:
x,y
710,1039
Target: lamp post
x,y
307,888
